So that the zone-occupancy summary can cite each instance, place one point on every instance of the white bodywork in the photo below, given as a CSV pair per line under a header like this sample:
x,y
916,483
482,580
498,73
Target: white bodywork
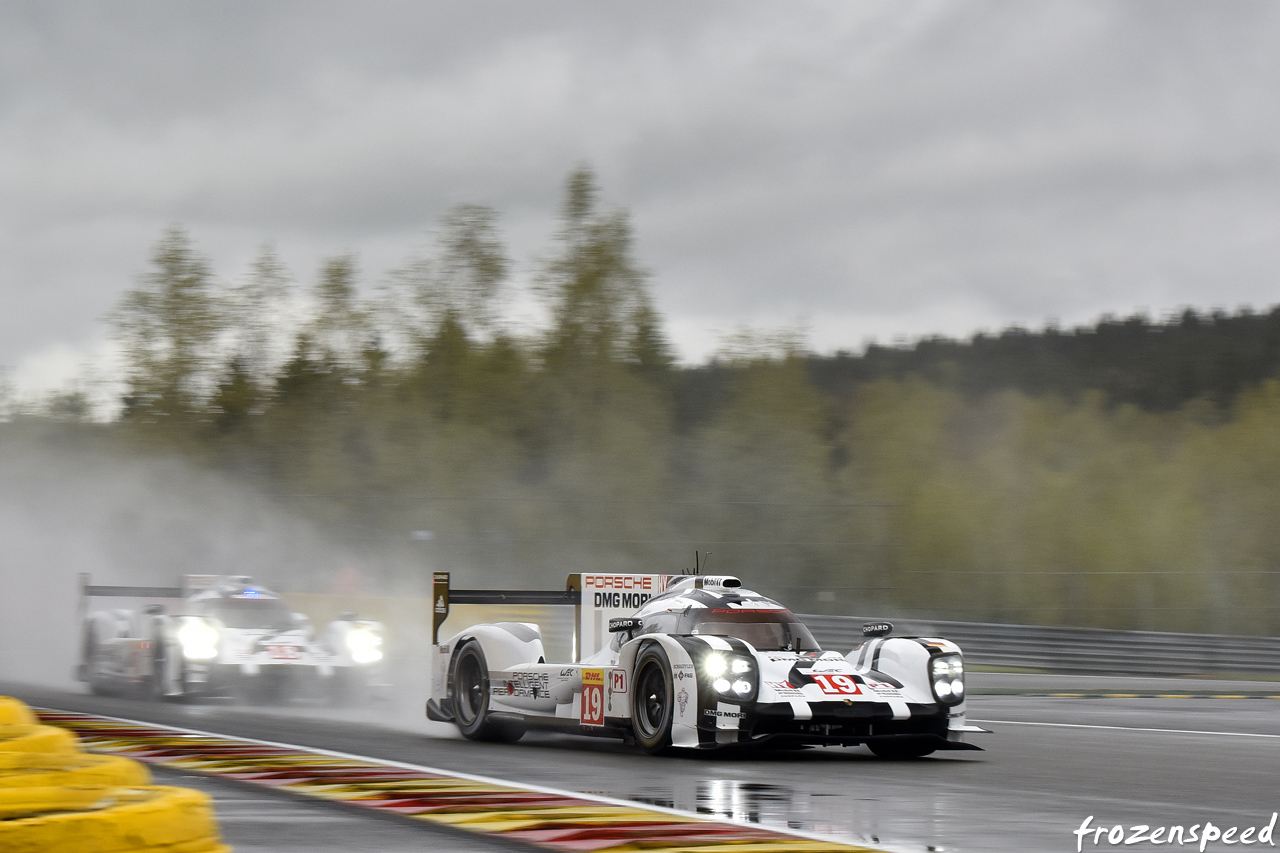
x,y
887,678
191,650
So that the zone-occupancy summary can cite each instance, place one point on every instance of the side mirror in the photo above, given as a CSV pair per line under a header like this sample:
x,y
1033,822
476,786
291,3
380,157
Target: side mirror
x,y
877,629
628,624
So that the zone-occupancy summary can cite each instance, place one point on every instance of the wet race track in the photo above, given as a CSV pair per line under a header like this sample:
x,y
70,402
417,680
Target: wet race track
x,y
1050,763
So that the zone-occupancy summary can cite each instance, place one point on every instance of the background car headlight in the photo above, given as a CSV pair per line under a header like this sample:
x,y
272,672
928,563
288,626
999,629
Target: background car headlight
x,y
946,672
199,640
364,645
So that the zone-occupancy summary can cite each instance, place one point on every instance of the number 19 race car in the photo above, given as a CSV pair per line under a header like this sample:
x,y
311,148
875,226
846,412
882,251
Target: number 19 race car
x,y
693,661
224,634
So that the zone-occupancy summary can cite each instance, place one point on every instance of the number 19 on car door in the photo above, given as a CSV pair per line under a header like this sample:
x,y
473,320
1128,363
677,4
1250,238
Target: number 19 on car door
x,y
593,697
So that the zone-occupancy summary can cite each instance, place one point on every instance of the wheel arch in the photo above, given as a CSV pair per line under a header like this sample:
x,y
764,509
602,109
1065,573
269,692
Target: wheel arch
x,y
684,718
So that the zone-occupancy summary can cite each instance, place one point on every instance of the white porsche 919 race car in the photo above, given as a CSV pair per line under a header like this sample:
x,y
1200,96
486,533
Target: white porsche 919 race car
x,y
693,661
225,634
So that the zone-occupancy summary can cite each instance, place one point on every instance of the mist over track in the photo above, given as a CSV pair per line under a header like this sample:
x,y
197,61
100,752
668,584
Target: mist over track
x,y
1050,763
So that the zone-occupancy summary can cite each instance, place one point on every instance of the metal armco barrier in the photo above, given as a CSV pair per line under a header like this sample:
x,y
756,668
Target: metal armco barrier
x,y
1091,651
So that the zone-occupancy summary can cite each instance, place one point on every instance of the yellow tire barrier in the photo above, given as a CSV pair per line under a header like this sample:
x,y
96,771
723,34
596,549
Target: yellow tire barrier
x,y
28,738
53,797
107,820
15,713
53,769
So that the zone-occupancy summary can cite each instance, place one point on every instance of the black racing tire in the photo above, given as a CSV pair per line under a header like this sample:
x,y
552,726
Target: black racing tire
x,y
159,663
653,701
903,747
471,698
99,684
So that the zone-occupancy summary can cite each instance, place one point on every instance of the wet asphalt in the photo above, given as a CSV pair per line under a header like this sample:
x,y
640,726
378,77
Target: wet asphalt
x,y
1050,763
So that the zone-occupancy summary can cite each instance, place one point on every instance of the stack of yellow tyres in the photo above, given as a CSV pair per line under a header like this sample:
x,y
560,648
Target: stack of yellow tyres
x,y
53,797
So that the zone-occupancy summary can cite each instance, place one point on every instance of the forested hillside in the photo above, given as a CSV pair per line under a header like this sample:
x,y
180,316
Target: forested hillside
x,y
1124,475
1158,366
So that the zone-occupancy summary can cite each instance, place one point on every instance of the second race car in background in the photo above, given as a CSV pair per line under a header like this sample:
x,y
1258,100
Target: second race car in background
x,y
221,634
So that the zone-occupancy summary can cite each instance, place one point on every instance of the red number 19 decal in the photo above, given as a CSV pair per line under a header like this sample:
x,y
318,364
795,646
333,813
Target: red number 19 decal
x,y
837,684
593,697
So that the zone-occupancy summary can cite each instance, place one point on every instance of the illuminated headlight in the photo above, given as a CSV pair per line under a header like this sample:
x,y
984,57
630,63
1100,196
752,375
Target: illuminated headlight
x,y
730,676
199,640
364,645
947,674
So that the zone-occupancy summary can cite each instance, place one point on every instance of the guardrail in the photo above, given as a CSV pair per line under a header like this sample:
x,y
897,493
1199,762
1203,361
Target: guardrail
x,y
1075,650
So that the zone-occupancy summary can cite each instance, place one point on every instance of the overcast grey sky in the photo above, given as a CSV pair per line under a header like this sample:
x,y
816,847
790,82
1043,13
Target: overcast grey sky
x,y
866,169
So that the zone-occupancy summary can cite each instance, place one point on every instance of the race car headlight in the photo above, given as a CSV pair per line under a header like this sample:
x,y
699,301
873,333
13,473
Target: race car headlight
x,y
946,672
730,676
364,645
199,640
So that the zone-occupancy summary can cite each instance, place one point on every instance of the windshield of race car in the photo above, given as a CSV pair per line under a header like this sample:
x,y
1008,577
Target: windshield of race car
x,y
765,630
271,613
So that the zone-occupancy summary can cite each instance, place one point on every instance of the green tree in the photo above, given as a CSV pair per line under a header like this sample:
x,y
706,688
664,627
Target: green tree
x,y
460,284
168,326
601,311
342,327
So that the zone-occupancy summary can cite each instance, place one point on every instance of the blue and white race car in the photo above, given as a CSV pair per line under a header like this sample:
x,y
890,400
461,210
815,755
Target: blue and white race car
x,y
698,662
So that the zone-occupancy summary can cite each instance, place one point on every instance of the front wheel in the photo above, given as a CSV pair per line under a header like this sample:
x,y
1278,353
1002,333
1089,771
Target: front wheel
x,y
471,698
651,708
155,683
96,668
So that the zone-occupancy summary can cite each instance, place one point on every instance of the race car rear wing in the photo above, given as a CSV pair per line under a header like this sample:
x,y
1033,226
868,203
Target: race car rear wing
x,y
595,598
443,596
190,584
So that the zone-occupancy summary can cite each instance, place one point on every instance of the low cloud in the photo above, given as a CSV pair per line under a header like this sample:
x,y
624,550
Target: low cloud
x,y
873,170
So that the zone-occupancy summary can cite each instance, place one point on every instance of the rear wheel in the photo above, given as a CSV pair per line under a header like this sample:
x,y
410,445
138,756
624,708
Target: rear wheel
x,y
471,698
903,747
652,701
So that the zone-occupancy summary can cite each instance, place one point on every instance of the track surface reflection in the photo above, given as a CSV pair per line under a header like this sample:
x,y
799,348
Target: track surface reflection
x,y
1028,791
